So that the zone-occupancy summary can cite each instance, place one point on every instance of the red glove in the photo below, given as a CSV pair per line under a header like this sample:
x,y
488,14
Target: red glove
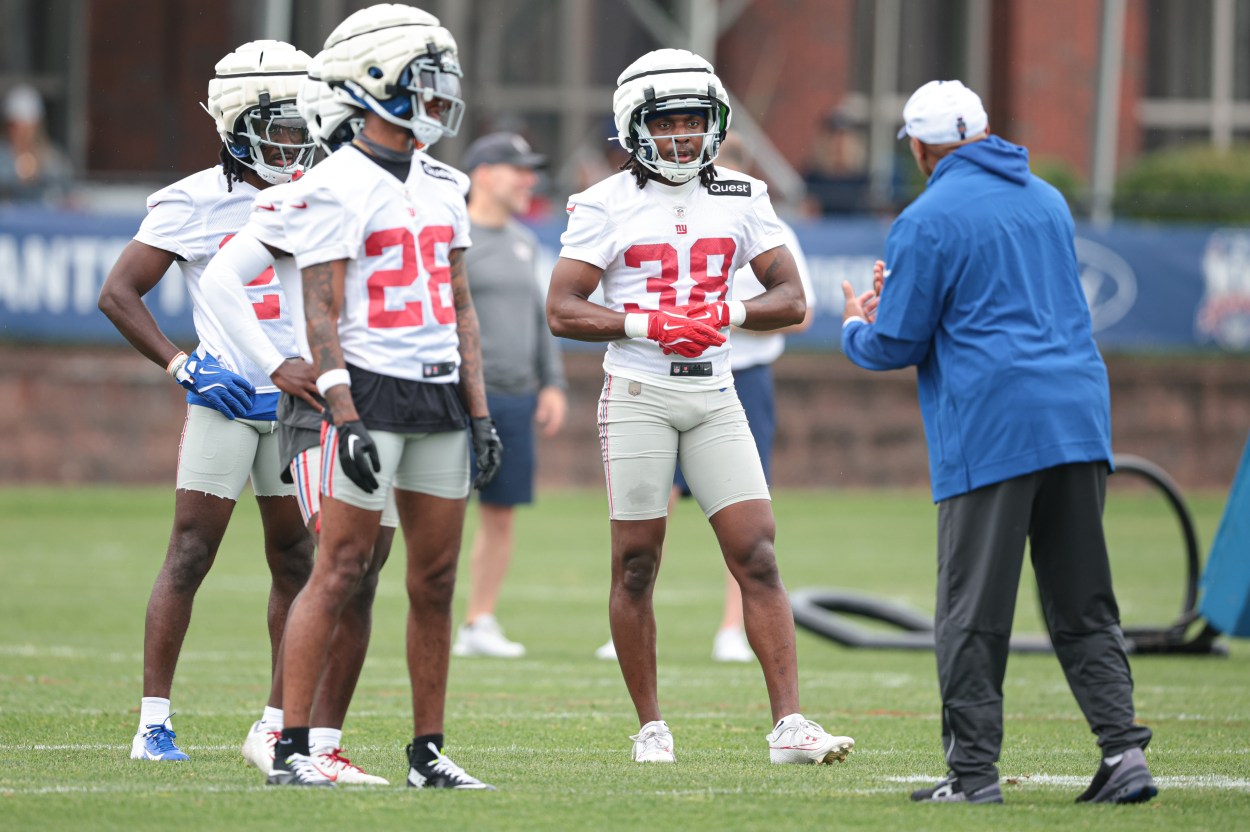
x,y
715,315
719,314
676,333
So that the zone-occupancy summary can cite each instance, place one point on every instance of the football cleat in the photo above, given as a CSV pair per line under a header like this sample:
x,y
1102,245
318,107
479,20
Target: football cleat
x,y
441,773
654,743
484,637
297,770
731,645
1128,781
799,740
339,769
950,790
606,652
156,743
258,747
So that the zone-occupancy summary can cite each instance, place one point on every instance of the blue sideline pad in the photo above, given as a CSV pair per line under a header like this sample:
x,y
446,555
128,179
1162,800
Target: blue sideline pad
x,y
1226,581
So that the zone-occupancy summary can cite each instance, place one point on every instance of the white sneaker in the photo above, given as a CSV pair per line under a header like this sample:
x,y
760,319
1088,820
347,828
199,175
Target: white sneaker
x,y
730,645
338,769
799,740
258,747
654,743
484,637
607,652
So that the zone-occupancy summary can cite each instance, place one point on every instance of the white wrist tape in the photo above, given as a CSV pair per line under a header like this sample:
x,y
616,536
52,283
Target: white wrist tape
x,y
175,364
737,312
333,378
636,325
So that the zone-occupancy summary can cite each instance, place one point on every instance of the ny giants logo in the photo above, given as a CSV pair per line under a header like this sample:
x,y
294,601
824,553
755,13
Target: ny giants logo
x,y
681,228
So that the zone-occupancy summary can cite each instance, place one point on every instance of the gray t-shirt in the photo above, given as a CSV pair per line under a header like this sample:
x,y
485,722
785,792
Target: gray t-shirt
x,y
519,353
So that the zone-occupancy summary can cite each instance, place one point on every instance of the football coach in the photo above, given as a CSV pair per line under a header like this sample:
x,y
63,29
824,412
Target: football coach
x,y
980,291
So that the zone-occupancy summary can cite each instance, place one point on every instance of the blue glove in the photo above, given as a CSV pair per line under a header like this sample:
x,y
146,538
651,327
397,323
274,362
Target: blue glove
x,y
229,394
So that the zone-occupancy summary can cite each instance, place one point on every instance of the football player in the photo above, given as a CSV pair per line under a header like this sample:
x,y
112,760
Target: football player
x,y
333,120
663,238
231,420
378,236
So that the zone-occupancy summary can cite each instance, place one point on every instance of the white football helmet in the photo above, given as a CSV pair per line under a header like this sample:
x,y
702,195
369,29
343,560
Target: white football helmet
x,y
397,62
669,80
252,101
333,117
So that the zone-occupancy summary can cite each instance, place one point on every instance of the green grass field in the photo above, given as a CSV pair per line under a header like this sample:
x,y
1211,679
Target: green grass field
x,y
551,730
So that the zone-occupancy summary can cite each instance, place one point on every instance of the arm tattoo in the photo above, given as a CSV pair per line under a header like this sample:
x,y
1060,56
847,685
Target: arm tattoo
x,y
472,385
323,301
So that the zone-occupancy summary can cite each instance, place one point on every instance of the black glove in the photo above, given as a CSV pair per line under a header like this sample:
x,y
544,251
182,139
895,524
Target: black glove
x,y
355,445
487,450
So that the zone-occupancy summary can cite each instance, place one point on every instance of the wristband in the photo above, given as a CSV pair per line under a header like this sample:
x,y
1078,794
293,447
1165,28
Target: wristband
x,y
737,312
175,364
636,325
333,378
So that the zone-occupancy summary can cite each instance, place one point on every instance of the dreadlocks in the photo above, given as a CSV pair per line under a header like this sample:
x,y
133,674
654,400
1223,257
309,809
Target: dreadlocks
x,y
642,176
232,168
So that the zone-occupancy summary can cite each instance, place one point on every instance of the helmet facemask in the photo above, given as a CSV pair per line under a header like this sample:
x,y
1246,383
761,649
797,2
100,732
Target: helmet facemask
x,y
426,98
272,139
659,153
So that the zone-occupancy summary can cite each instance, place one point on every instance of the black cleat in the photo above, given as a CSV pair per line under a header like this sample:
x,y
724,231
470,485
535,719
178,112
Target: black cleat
x,y
297,770
441,773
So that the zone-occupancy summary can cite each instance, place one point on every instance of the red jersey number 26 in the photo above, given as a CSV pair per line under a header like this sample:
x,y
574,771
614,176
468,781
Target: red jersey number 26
x,y
706,287
411,313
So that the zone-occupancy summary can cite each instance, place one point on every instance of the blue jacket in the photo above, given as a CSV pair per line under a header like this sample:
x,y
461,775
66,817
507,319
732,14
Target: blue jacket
x,y
983,295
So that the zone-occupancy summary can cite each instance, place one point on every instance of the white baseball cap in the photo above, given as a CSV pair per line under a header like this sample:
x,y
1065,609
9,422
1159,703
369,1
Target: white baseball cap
x,y
943,112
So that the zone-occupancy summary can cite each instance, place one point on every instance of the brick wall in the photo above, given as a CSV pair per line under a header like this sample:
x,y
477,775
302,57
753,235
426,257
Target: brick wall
x,y
79,415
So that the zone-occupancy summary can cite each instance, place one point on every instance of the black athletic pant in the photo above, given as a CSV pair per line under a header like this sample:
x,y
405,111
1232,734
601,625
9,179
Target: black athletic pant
x,y
981,537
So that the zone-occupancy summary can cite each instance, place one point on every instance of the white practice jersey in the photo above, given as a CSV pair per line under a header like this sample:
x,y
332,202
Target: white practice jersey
x,y
192,219
663,247
399,317
267,225
752,349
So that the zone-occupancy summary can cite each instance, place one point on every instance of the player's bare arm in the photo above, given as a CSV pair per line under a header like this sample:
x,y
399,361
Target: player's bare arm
x,y
323,301
472,384
570,313
783,302
139,268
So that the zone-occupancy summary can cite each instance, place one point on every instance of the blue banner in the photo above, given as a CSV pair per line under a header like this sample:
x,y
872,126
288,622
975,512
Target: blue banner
x,y
1150,287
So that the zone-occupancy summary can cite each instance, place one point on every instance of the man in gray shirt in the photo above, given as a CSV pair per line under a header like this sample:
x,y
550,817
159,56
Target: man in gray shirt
x,y
520,360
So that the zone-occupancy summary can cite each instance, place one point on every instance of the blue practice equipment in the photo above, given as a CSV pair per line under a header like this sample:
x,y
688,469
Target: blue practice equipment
x,y
1226,582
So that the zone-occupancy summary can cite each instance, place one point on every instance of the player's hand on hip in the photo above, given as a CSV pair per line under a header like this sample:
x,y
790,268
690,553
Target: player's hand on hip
x,y
878,276
228,393
487,449
358,456
296,377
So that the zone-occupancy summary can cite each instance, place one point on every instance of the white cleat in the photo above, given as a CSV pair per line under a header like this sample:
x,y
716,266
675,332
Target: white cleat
x,y
730,645
484,637
799,740
338,769
258,747
654,743
607,652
